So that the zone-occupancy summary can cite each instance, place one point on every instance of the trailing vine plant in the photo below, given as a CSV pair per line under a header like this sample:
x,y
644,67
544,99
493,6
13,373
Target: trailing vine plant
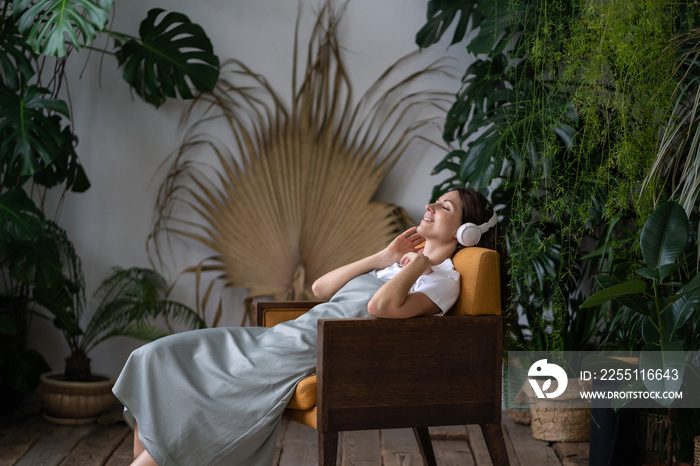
x,y
559,117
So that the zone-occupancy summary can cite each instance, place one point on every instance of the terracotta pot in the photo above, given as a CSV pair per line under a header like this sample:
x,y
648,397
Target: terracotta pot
x,y
75,402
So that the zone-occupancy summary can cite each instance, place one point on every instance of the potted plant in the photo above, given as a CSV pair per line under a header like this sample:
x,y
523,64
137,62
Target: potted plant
x,y
127,301
668,309
38,146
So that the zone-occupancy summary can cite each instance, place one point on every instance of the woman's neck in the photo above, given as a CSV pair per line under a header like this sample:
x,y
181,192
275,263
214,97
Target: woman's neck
x,y
438,252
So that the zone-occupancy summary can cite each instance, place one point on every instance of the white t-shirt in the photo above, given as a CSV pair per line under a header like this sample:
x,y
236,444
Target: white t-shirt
x,y
441,285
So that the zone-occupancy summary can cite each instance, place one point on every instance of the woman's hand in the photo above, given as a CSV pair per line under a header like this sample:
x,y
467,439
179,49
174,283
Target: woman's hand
x,y
419,258
403,244
394,298
329,284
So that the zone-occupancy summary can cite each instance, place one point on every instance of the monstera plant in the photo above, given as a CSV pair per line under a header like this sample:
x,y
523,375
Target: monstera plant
x,y
171,57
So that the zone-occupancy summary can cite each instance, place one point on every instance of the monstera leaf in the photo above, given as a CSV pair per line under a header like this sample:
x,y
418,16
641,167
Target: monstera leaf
x,y
48,24
16,69
172,55
30,131
441,13
19,217
64,168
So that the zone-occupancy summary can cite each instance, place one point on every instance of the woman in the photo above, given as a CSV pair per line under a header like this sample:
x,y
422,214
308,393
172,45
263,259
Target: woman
x,y
215,396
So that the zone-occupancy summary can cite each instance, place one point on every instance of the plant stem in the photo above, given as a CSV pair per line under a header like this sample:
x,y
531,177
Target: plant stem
x,y
119,35
659,314
89,47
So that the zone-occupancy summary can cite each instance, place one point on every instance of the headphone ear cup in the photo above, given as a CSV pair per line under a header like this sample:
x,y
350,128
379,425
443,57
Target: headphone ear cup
x,y
468,235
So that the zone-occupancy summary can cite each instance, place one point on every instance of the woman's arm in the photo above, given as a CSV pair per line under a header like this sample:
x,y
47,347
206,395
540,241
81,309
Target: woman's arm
x,y
329,284
394,300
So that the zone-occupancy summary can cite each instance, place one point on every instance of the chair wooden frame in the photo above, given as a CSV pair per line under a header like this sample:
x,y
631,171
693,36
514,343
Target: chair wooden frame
x,y
420,372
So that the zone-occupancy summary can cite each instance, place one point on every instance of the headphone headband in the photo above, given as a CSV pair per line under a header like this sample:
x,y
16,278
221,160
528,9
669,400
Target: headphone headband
x,y
469,234
484,227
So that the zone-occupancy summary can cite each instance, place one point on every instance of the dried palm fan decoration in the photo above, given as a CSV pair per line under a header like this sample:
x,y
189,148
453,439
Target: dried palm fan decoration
x,y
290,197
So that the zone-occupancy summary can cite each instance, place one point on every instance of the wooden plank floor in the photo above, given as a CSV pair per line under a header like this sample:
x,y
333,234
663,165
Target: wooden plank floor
x,y
28,440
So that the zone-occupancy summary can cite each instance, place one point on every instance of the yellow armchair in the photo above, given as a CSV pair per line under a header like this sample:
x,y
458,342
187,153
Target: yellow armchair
x,y
420,372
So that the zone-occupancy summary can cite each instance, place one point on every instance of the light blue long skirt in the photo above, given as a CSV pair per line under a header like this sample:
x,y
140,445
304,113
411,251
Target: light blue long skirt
x,y
215,396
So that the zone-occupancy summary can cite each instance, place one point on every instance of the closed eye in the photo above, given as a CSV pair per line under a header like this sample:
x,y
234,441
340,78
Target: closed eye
x,y
446,204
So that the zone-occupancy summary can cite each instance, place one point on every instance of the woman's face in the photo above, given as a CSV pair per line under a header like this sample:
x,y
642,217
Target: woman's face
x,y
442,218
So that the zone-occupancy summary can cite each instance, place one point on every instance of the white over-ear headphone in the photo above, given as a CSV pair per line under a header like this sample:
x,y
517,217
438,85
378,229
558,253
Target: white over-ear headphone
x,y
469,234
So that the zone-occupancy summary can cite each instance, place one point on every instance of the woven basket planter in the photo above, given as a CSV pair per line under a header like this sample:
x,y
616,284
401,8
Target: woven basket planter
x,y
75,402
564,419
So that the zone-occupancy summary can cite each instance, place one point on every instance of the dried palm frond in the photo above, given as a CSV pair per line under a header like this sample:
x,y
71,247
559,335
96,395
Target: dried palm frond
x,y
289,197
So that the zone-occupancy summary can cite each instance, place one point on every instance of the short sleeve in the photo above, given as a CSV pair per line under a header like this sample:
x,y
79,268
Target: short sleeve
x,y
441,286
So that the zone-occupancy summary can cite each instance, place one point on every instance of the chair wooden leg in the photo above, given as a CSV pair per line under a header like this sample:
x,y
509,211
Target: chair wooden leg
x,y
493,435
426,447
327,448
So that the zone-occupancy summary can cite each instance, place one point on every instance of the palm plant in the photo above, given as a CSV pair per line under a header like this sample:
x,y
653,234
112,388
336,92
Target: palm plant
x,y
127,302
288,196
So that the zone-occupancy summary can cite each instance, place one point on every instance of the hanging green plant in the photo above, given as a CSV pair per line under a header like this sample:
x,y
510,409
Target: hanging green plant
x,y
558,117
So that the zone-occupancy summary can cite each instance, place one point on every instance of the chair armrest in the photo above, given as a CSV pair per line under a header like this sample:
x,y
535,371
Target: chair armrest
x,y
441,370
270,313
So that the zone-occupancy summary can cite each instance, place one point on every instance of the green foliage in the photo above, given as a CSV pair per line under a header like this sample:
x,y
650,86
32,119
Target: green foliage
x,y
665,307
38,152
23,220
559,117
128,300
169,53
441,13
621,62
31,131
37,144
676,168
566,109
48,24
35,133
15,55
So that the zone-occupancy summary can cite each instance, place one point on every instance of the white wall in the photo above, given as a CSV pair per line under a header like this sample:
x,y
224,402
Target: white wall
x,y
122,141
